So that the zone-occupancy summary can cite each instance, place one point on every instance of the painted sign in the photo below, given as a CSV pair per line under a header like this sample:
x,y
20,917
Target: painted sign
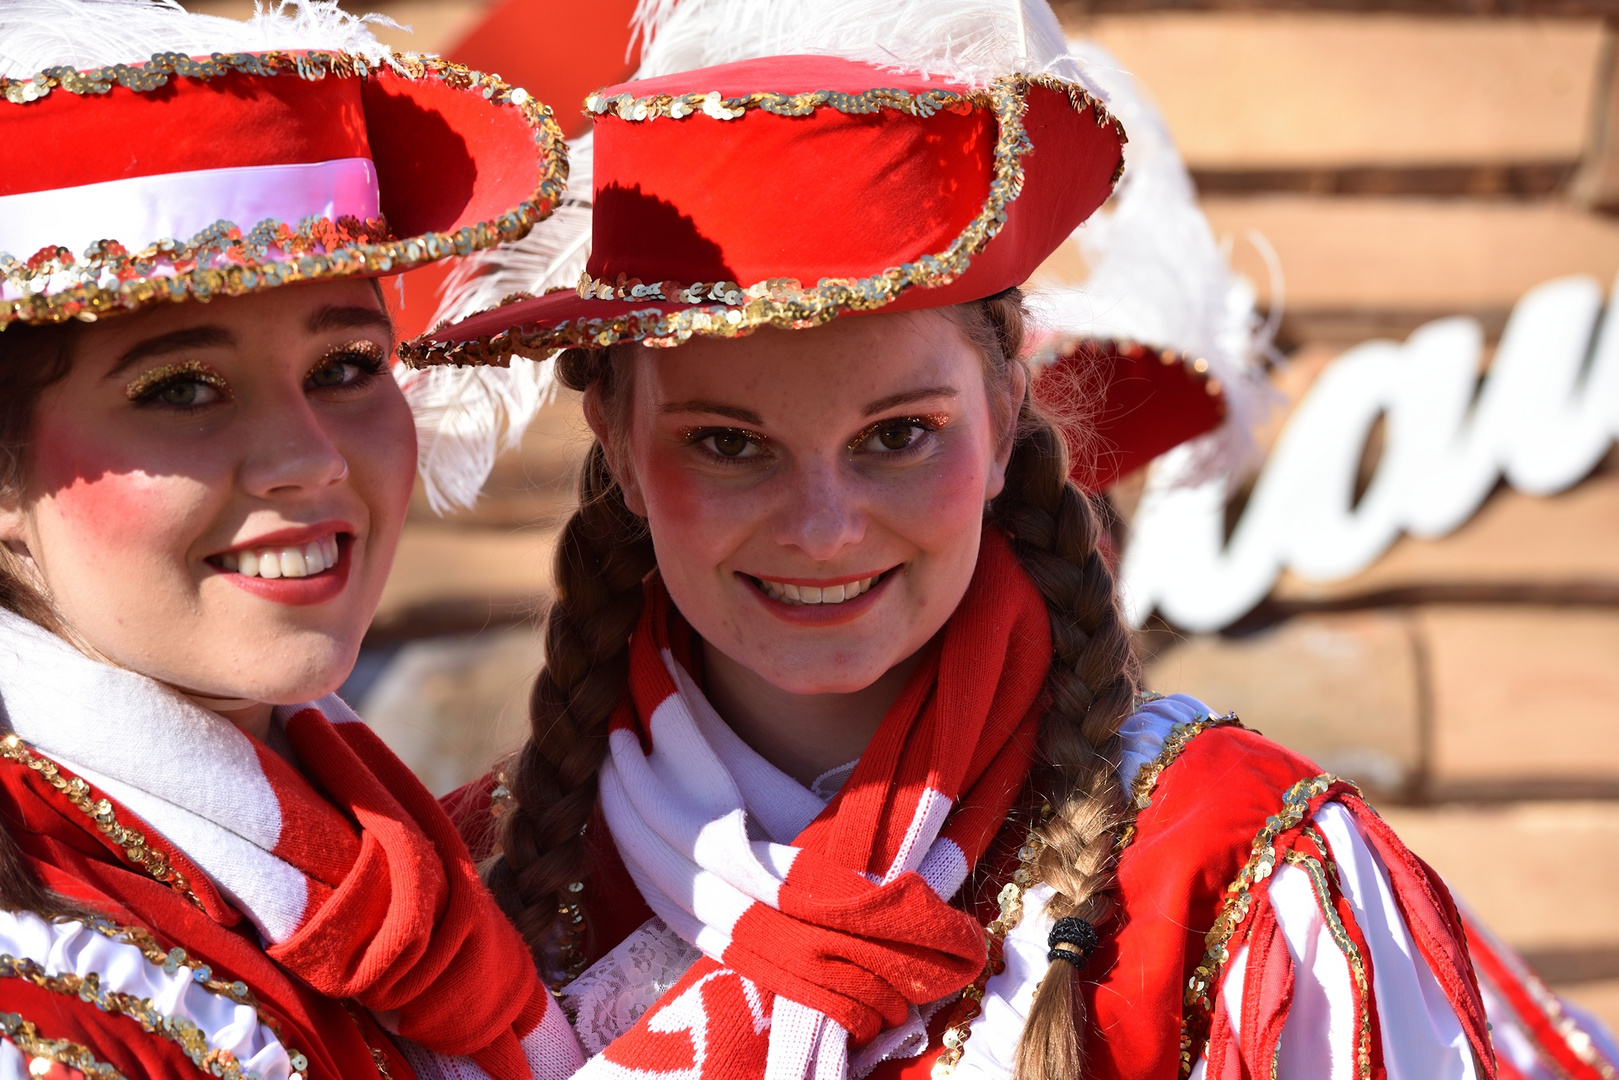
x,y
1542,417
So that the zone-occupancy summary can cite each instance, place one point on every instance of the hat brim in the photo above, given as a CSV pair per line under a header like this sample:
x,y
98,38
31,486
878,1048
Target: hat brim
x,y
1122,404
463,161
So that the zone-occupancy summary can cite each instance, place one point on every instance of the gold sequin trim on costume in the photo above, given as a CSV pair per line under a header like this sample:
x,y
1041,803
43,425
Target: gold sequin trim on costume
x,y
959,1027
785,302
1204,985
1351,951
178,1030
1147,778
173,961
130,842
43,1052
225,260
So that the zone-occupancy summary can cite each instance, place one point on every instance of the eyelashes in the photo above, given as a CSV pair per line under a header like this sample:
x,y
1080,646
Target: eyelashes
x,y
928,422
150,382
363,356
749,444
366,355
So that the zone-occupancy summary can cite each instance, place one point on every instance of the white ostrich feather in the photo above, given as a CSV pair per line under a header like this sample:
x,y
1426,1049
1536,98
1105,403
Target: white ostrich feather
x,y
40,34
968,41
465,418
1159,276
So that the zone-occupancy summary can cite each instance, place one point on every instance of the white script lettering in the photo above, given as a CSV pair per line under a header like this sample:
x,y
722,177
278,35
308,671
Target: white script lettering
x,y
1544,416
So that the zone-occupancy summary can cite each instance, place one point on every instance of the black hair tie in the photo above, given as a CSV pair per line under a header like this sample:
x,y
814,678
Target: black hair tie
x,y
1079,936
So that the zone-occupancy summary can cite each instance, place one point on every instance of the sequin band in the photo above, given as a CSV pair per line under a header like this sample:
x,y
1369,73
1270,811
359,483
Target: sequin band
x,y
55,284
680,106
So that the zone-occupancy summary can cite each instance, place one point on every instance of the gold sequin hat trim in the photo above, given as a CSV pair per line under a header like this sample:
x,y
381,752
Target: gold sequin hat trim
x,y
463,161
714,203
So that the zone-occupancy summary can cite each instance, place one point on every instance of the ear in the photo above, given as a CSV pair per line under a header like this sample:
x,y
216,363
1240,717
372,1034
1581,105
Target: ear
x,y
621,471
1017,386
13,525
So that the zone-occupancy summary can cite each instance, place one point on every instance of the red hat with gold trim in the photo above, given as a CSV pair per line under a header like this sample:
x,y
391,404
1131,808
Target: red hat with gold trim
x,y
766,146
788,190
243,155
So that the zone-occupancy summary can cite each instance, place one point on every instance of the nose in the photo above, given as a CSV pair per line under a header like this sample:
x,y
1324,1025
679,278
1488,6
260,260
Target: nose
x,y
820,512
292,452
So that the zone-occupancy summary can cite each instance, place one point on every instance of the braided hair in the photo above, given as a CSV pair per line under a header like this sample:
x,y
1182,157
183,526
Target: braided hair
x,y
606,551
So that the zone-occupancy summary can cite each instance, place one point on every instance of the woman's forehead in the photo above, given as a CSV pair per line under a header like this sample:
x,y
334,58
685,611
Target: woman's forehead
x,y
869,356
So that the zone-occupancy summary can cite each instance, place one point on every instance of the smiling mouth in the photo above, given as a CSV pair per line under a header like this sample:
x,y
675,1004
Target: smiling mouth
x,y
813,594
282,560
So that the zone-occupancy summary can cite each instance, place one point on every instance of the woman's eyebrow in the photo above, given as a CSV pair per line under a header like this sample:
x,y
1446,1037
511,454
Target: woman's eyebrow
x,y
196,337
349,317
906,397
717,408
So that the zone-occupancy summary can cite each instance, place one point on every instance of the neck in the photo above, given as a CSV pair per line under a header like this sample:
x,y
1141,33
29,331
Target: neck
x,y
250,717
803,735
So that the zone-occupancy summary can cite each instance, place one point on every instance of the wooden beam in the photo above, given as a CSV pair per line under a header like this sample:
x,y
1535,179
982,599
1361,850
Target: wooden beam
x,y
1530,180
1340,92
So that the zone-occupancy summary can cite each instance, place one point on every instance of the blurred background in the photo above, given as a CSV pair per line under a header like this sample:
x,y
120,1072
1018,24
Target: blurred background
x,y
1407,160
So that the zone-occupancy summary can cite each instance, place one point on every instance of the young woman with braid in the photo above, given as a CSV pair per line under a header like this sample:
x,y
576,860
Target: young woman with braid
x,y
838,764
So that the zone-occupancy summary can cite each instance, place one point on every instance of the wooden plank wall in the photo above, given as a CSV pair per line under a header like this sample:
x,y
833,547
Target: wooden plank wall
x,y
1407,159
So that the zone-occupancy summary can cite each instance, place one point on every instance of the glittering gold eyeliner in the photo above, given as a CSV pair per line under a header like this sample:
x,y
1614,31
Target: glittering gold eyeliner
x,y
148,381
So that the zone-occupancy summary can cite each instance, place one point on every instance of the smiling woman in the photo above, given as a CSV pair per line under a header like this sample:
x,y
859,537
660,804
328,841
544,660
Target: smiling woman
x,y
206,861
838,765
191,463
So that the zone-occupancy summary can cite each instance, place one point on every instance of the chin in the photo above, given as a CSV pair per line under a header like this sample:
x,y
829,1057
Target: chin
x,y
303,674
821,675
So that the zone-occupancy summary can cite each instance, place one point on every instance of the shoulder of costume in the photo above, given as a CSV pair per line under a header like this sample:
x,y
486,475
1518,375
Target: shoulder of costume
x,y
104,999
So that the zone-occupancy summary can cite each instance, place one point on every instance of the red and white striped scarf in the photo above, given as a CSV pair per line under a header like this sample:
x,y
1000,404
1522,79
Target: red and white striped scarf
x,y
831,942
354,877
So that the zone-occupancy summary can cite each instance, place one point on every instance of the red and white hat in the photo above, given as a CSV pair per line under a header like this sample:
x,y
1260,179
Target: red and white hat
x,y
788,190
685,181
243,155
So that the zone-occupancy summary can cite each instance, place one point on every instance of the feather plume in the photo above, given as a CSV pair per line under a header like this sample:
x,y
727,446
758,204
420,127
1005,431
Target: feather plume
x,y
967,41
1159,276
40,34
465,417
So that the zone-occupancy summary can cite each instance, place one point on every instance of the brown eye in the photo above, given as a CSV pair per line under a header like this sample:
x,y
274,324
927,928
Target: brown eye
x,y
730,443
898,436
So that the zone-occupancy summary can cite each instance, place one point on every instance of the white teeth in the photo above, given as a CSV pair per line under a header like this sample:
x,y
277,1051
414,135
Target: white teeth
x,y
810,594
306,560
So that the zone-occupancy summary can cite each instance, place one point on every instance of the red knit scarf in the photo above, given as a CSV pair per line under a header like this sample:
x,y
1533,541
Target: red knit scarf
x,y
398,919
825,943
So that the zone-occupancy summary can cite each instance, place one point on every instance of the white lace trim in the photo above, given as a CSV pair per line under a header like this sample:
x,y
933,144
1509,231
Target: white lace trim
x,y
611,995
72,948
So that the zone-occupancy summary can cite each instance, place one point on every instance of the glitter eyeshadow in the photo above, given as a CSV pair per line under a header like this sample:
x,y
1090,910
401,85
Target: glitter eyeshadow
x,y
148,381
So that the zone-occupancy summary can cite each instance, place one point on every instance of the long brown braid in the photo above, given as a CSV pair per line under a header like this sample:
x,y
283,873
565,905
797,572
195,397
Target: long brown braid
x,y
604,554
1093,679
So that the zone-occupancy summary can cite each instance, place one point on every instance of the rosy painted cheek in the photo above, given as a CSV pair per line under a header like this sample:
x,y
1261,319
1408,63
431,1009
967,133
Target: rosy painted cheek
x,y
94,489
